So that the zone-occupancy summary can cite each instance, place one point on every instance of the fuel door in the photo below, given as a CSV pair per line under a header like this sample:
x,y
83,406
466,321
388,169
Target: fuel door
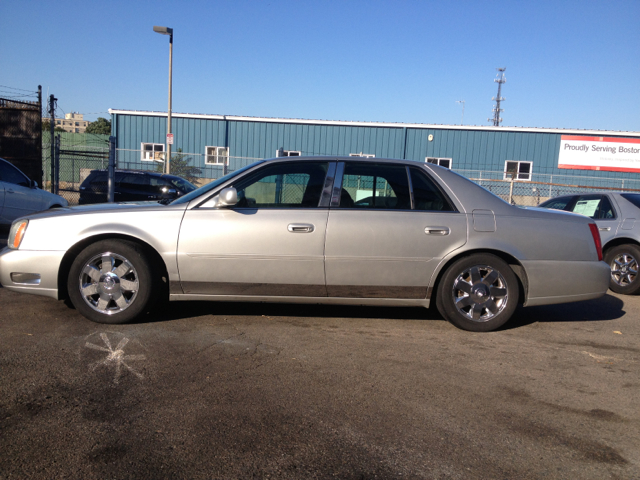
x,y
484,221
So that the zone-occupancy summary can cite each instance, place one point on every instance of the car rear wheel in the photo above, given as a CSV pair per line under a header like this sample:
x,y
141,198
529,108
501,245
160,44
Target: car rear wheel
x,y
623,261
112,281
478,293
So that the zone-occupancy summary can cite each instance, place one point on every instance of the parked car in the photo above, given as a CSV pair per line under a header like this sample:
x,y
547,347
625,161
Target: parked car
x,y
20,196
618,218
133,186
313,230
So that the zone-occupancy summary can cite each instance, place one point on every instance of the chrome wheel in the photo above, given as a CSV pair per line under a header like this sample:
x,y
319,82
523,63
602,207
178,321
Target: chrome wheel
x,y
624,269
480,293
108,283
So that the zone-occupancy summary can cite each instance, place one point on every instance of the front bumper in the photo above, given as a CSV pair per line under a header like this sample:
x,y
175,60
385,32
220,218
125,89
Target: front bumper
x,y
46,264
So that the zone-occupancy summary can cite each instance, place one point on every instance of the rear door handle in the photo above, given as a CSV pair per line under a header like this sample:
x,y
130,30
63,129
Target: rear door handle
x,y
437,230
300,228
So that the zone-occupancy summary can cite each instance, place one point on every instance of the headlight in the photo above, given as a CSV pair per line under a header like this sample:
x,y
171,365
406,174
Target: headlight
x,y
16,234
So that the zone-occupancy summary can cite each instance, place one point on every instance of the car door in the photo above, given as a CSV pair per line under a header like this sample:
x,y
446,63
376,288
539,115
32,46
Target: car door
x,y
389,226
600,208
271,243
19,198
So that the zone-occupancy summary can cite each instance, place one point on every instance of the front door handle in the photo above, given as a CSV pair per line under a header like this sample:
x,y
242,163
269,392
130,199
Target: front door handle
x,y
300,228
604,229
437,230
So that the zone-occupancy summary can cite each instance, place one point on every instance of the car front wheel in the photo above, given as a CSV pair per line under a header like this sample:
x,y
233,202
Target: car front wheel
x,y
478,293
112,281
623,261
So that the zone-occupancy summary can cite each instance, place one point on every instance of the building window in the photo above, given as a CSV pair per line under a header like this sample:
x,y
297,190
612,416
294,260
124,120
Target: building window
x,y
443,162
152,152
77,124
77,130
57,122
365,155
216,155
517,170
288,153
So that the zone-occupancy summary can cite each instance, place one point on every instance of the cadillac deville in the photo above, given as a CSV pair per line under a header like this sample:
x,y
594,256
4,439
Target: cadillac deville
x,y
316,230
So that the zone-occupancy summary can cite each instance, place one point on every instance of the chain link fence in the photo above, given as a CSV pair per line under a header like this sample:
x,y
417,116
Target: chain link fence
x,y
541,187
80,153
77,155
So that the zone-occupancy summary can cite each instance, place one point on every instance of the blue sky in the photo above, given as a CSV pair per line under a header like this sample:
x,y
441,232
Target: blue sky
x,y
570,64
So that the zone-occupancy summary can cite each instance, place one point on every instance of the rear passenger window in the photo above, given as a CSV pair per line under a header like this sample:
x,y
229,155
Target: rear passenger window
x,y
368,186
426,194
594,206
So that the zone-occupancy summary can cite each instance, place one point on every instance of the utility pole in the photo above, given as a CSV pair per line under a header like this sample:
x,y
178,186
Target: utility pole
x,y
462,102
52,112
496,110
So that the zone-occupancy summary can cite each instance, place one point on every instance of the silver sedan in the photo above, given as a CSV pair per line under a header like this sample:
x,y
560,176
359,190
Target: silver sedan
x,y
618,218
20,196
313,230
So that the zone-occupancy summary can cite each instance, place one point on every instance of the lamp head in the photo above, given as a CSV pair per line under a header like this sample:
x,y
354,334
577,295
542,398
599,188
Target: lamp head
x,y
163,30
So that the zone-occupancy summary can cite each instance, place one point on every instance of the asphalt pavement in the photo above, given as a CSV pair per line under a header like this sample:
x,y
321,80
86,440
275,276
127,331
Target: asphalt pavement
x,y
230,390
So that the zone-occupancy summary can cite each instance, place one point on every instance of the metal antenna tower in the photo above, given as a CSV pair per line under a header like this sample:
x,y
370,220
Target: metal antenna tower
x,y
496,119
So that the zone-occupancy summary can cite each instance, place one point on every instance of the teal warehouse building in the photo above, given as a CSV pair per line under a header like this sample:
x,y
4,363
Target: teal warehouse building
x,y
219,143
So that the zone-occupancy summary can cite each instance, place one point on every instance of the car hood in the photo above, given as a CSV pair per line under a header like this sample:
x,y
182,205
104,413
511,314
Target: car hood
x,y
105,208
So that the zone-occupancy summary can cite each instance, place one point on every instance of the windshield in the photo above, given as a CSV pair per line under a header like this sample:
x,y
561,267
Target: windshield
x,y
212,185
182,184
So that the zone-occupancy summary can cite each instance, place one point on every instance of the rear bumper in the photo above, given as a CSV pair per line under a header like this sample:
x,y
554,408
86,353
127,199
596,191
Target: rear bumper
x,y
44,265
561,282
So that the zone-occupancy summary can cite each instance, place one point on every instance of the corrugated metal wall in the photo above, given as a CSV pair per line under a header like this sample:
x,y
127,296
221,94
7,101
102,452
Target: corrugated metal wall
x,y
468,149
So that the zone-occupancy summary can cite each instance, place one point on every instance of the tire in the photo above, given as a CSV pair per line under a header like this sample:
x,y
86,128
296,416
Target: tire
x,y
478,293
115,290
623,261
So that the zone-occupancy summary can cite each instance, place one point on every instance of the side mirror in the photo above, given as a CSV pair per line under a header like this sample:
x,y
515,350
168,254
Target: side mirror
x,y
228,197
168,192
34,184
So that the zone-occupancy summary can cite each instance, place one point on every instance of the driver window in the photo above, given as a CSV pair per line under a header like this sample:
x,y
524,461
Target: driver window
x,y
285,185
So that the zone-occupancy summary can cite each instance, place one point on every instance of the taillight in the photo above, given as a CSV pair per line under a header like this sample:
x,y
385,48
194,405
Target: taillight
x,y
596,238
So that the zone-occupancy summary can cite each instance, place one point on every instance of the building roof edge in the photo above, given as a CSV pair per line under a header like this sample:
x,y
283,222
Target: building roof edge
x,y
424,126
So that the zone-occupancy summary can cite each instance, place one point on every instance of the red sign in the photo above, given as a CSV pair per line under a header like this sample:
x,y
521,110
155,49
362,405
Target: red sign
x,y
170,138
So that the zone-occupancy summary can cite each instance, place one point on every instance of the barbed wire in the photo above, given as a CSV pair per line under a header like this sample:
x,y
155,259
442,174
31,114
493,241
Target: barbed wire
x,y
19,89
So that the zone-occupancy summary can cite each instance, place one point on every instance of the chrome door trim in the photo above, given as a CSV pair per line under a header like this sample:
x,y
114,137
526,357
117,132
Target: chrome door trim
x,y
411,197
325,197
337,185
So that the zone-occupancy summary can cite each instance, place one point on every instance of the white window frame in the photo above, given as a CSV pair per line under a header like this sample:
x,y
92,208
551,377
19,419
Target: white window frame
x,y
518,179
143,151
438,161
364,155
287,153
221,156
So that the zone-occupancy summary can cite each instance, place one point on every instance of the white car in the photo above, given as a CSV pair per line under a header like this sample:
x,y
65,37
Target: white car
x,y
20,196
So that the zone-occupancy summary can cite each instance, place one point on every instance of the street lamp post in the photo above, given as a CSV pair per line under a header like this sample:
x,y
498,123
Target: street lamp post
x,y
168,31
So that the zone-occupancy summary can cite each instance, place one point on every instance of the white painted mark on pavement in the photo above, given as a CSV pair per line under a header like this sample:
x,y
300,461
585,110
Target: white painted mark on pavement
x,y
115,357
